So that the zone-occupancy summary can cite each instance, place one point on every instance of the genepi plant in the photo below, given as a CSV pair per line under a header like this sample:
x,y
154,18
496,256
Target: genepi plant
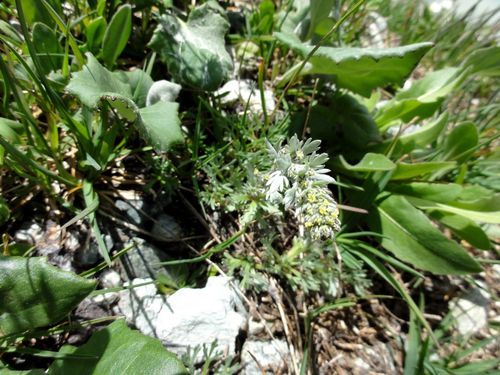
x,y
299,181
401,179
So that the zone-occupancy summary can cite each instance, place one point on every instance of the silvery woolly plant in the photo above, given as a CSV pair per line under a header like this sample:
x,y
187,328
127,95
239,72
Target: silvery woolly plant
x,y
299,182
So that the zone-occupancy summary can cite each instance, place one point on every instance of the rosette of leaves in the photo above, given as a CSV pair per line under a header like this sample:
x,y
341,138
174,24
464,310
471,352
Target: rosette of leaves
x,y
126,92
194,51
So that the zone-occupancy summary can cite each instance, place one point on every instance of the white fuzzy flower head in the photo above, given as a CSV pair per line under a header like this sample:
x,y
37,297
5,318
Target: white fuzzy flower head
x,y
299,181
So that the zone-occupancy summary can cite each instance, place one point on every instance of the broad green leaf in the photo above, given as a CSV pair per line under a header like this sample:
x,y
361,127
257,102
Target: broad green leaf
x,y
484,61
461,143
369,163
262,20
358,69
119,350
139,81
294,18
124,106
416,140
35,294
195,51
441,193
50,52
35,11
422,99
411,237
56,15
464,228
94,32
320,10
159,124
406,171
94,81
489,216
345,121
478,198
117,34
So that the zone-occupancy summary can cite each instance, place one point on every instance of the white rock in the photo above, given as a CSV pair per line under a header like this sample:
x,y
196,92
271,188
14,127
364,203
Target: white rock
x,y
187,318
246,92
72,242
163,91
471,311
230,91
250,95
272,356
254,327
106,298
111,279
31,233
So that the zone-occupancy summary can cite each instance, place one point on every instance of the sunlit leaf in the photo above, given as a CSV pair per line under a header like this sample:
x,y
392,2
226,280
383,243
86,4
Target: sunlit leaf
x,y
422,99
119,350
117,34
159,124
410,235
370,163
34,293
405,171
195,51
358,69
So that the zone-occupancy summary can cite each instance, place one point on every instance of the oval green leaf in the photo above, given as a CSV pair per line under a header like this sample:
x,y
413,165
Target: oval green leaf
x,y
158,124
406,171
441,193
117,34
370,163
411,237
34,293
422,99
50,52
464,228
119,350
419,139
95,34
461,143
